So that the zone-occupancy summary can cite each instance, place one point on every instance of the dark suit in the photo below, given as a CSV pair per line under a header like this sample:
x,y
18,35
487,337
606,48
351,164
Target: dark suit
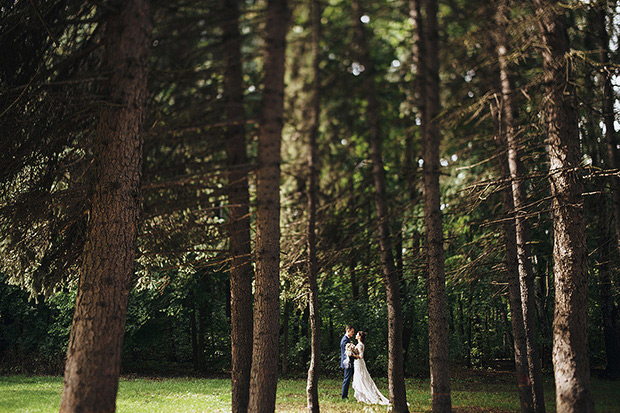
x,y
348,372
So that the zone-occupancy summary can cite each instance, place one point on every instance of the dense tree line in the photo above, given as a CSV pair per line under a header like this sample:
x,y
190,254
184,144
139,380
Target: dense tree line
x,y
227,184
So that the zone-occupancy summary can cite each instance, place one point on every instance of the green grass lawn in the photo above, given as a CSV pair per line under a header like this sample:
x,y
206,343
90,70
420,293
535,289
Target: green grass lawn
x,y
471,392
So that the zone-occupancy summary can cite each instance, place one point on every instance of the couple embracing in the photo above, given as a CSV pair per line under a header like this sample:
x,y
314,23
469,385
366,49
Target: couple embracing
x,y
352,361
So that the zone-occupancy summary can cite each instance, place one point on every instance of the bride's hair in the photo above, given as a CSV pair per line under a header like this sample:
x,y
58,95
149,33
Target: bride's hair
x,y
362,336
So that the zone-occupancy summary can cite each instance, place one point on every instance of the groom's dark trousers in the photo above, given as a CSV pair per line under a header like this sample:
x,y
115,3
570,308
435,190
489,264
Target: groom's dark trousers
x,y
348,375
348,372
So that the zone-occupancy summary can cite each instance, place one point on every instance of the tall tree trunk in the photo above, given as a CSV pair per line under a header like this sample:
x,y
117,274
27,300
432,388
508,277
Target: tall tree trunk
x,y
396,377
94,352
264,373
241,271
570,350
312,385
613,158
519,198
431,137
526,395
608,306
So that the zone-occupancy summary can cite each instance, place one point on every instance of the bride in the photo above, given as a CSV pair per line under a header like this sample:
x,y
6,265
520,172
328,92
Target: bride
x,y
365,389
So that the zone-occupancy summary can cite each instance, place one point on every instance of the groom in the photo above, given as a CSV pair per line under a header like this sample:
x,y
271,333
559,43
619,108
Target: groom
x,y
348,367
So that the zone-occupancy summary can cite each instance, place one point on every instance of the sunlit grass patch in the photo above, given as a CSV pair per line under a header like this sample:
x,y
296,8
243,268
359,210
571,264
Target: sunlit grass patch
x,y
476,392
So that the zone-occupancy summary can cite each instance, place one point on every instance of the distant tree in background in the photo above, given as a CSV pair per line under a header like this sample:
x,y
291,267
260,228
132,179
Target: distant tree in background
x,y
312,387
431,137
519,203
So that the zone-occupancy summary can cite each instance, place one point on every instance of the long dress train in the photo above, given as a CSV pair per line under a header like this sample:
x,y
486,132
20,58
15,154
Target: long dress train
x,y
365,389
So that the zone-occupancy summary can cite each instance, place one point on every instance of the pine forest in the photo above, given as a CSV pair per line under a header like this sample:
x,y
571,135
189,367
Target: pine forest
x,y
221,189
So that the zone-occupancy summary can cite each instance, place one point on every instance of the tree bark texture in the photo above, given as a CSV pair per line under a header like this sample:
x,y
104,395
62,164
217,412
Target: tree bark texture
x,y
396,377
418,93
241,272
431,137
264,372
312,385
609,310
525,267
526,395
94,352
570,349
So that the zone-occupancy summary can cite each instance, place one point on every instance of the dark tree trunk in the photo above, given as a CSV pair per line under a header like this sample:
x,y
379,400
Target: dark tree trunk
x,y
519,198
264,373
172,351
431,137
608,110
285,335
193,334
94,352
461,318
312,385
570,349
332,341
396,378
526,395
241,272
609,310
509,336
542,300
355,289
202,314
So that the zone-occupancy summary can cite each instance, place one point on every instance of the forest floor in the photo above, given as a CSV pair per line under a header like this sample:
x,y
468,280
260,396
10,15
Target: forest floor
x,y
472,391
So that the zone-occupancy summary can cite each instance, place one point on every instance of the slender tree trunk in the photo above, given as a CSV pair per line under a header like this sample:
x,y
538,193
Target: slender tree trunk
x,y
172,351
542,300
469,335
431,136
193,334
509,336
285,335
202,314
608,111
353,254
94,352
612,347
461,318
570,349
526,395
396,377
264,373
610,325
241,271
355,289
312,386
525,268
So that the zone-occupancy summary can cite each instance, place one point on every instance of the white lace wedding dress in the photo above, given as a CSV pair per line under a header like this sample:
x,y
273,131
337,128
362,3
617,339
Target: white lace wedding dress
x,y
365,389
